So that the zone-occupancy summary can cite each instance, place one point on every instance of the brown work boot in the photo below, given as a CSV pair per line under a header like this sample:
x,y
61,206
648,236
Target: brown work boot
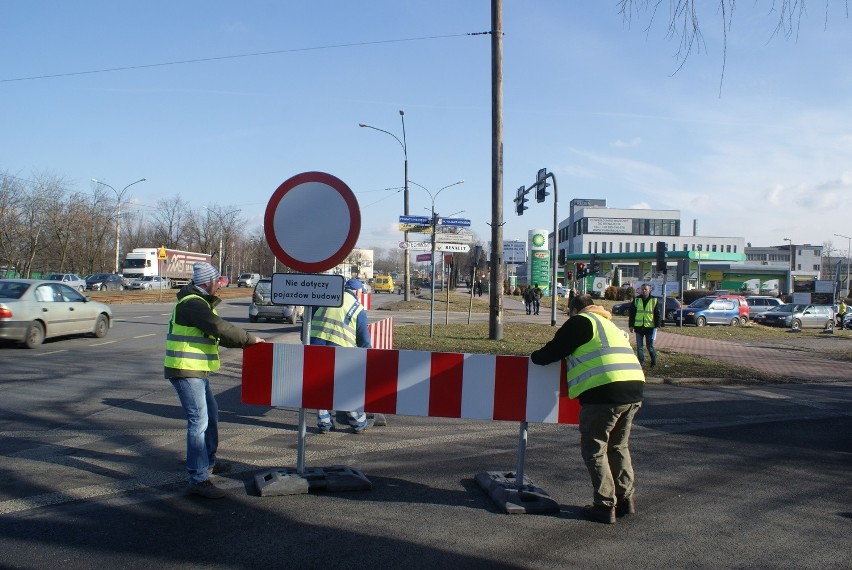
x,y
599,513
625,507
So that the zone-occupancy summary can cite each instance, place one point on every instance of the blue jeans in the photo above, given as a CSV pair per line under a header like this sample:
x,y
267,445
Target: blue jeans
x,y
648,335
202,425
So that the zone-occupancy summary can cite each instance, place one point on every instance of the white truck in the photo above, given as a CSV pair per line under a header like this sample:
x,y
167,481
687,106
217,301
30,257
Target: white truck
x,y
177,265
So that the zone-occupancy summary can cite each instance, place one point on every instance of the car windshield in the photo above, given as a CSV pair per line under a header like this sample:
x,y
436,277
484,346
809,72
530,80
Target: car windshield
x,y
148,278
54,277
782,309
701,303
96,277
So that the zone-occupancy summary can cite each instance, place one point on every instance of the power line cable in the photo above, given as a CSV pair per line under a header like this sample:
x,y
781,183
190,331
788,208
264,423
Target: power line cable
x,y
238,56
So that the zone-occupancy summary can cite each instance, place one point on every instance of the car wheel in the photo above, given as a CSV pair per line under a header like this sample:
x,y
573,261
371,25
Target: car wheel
x,y
829,325
735,322
101,326
102,288
797,325
292,319
744,320
81,289
121,287
252,319
35,335
700,322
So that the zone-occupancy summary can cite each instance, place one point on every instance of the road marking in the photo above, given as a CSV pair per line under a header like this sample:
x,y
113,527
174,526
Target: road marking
x,y
52,352
144,335
104,343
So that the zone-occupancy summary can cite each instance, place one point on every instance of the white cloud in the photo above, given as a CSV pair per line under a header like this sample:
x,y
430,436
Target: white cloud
x,y
636,141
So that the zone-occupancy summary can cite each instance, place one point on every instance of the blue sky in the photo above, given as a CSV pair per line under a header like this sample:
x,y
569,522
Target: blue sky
x,y
598,102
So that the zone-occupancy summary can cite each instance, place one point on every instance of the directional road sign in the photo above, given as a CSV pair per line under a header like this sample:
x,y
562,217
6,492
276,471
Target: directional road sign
x,y
457,222
416,228
453,247
419,220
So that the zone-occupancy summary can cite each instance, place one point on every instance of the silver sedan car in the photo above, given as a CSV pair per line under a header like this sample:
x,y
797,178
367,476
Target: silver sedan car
x,y
32,310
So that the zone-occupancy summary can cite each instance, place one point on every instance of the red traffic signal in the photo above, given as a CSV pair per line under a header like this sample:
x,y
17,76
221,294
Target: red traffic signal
x,y
580,267
570,276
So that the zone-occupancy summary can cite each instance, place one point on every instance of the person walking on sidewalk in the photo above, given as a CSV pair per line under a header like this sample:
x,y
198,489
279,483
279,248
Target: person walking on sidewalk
x,y
344,326
644,318
529,299
192,353
604,374
536,298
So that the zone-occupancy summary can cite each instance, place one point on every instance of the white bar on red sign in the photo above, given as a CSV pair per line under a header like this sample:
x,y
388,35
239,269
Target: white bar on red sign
x,y
407,382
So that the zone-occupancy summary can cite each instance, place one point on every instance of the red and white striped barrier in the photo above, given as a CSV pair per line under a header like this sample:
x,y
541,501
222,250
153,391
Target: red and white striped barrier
x,y
366,299
381,333
406,382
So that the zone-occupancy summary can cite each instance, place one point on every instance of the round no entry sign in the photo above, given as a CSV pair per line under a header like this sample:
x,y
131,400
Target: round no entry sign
x,y
312,222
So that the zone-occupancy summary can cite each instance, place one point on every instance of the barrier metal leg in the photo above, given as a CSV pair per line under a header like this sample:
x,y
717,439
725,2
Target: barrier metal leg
x,y
300,449
513,492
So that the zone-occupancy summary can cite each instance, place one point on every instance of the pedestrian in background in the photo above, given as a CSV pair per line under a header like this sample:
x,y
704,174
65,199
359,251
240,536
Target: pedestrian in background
x,y
644,318
604,374
529,299
536,298
344,326
192,353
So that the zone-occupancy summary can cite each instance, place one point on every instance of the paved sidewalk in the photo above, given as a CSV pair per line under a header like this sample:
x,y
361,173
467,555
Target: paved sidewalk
x,y
782,361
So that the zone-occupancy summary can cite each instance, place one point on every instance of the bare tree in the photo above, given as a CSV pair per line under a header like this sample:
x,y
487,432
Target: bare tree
x,y
684,21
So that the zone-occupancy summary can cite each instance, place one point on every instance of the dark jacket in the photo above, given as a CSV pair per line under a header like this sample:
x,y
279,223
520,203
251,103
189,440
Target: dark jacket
x,y
570,336
196,313
658,313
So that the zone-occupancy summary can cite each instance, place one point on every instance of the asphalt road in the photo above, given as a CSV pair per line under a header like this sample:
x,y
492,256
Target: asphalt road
x,y
92,440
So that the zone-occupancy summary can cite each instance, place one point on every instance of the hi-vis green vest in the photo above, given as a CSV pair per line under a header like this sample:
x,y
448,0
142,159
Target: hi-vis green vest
x,y
337,324
645,312
188,348
607,357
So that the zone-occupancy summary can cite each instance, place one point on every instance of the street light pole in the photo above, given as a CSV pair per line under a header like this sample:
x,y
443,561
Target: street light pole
x,y
434,223
406,254
848,248
790,284
119,196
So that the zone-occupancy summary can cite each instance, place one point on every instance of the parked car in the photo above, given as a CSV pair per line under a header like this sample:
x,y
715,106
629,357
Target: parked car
x,y
32,310
670,314
742,305
105,282
797,317
248,279
71,279
760,304
261,306
710,311
224,281
150,283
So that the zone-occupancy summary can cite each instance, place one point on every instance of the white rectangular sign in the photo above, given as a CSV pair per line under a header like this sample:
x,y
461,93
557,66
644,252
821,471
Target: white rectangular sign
x,y
453,238
454,247
319,290
610,225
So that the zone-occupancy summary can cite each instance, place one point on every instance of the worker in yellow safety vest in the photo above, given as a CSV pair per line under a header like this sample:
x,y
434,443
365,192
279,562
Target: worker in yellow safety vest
x,y
344,326
606,377
192,352
644,318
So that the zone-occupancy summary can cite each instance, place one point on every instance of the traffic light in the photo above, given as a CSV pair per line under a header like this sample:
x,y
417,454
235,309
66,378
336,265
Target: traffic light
x,y
593,265
569,276
540,185
520,201
661,256
581,270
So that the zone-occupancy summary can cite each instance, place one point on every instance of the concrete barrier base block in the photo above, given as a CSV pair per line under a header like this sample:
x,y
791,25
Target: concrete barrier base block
x,y
287,481
502,487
